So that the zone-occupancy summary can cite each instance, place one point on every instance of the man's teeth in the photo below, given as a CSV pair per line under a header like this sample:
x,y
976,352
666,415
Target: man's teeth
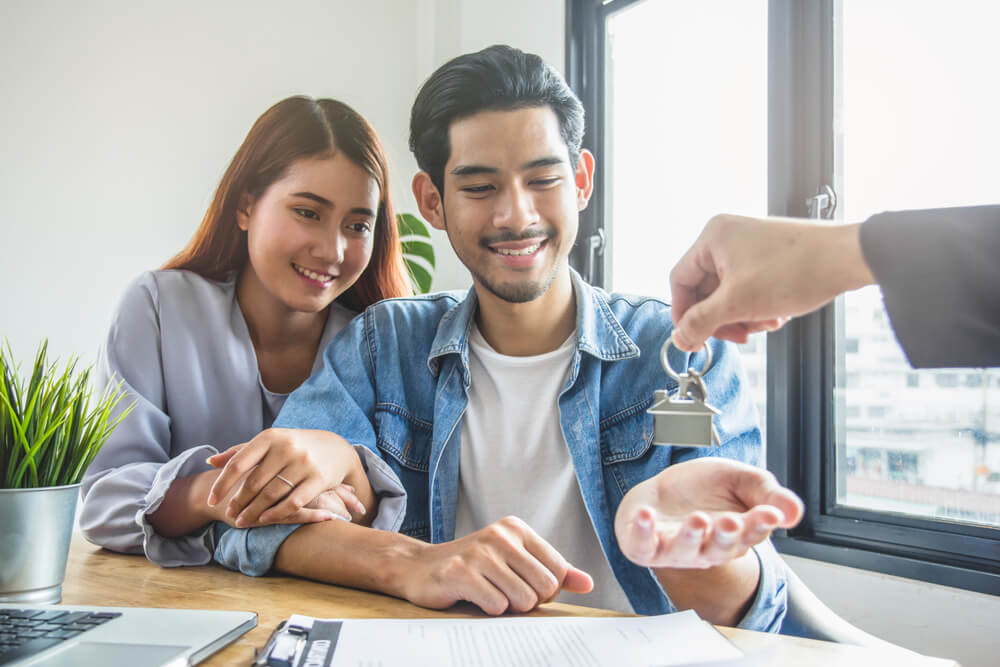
x,y
321,277
530,250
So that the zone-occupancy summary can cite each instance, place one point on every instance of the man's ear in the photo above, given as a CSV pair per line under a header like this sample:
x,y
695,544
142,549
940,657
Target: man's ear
x,y
428,199
584,178
243,212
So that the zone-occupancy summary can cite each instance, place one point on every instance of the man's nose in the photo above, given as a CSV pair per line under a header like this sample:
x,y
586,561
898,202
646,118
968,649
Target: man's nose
x,y
515,209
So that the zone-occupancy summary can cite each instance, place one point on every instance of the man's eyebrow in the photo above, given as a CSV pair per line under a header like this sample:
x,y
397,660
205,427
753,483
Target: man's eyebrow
x,y
472,170
475,169
542,162
360,210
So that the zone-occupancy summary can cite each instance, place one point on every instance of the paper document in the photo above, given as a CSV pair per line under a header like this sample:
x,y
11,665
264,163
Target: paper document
x,y
670,639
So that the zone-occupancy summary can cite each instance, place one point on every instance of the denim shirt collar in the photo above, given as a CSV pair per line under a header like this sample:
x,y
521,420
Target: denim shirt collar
x,y
598,331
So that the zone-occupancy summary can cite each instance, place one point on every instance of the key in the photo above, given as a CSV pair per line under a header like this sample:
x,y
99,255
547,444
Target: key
x,y
684,417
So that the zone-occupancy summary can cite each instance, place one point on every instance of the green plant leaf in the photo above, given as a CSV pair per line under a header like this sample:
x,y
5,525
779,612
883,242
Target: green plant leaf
x,y
419,249
411,225
49,434
418,253
421,277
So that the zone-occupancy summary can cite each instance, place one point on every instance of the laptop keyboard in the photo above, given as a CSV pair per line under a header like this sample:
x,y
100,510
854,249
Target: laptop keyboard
x,y
25,632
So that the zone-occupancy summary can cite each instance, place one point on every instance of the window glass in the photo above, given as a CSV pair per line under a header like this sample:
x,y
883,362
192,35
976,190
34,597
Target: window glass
x,y
686,137
918,130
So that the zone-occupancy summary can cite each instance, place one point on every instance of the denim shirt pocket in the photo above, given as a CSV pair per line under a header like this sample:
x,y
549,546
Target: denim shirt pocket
x,y
628,455
404,441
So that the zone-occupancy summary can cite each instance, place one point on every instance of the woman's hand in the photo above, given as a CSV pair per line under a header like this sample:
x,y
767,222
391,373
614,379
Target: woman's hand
x,y
328,505
281,471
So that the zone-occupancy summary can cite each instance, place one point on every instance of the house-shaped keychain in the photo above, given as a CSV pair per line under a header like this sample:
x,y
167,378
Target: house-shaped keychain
x,y
682,421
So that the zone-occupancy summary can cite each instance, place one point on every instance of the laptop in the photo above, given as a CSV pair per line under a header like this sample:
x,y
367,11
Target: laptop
x,y
85,636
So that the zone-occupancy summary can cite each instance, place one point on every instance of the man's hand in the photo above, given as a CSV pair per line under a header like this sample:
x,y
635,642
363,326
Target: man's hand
x,y
504,566
745,275
281,471
702,513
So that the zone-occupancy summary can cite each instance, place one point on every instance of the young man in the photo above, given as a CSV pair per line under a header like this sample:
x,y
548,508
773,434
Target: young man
x,y
527,398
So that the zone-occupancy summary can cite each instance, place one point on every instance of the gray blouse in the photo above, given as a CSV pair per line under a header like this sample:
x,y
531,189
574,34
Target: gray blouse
x,y
181,346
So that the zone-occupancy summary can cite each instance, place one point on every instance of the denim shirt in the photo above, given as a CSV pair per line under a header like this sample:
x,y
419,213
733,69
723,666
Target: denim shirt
x,y
396,380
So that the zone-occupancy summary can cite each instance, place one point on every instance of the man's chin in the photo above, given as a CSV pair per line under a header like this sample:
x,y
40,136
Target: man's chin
x,y
516,292
520,291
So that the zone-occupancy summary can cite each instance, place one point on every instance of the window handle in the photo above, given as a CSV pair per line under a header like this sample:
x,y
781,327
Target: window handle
x,y
595,248
822,204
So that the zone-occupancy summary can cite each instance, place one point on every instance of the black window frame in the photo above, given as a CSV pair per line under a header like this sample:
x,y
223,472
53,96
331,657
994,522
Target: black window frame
x,y
802,362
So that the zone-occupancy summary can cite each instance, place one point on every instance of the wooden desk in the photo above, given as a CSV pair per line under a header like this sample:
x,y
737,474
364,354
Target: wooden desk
x,y
98,577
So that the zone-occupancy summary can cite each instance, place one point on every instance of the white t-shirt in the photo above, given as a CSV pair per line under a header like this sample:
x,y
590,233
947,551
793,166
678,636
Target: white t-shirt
x,y
514,460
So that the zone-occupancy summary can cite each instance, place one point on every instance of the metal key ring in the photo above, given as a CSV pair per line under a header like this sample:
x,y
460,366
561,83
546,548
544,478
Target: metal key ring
x,y
666,362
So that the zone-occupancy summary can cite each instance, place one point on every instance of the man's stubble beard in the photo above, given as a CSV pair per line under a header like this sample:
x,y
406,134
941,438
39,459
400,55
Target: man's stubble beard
x,y
509,292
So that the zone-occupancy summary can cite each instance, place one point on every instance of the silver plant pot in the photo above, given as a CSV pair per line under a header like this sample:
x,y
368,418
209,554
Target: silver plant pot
x,y
35,530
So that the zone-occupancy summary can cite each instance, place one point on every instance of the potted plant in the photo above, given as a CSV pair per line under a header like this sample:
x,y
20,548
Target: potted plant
x,y
49,434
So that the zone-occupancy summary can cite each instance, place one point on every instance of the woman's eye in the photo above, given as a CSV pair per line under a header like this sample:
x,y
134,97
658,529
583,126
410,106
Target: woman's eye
x,y
360,227
306,213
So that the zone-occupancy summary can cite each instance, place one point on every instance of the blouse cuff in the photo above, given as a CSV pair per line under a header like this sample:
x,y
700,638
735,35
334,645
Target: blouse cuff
x,y
192,549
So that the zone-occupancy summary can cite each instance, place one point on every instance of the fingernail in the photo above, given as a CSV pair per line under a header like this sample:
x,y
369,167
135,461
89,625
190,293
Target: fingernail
x,y
240,522
213,500
362,508
694,534
681,341
726,537
644,523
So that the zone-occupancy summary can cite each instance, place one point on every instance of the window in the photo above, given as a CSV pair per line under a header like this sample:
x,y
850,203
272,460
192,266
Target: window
x,y
885,104
935,94
706,155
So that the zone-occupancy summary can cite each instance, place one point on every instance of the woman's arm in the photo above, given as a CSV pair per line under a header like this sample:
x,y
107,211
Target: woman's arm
x,y
144,491
132,473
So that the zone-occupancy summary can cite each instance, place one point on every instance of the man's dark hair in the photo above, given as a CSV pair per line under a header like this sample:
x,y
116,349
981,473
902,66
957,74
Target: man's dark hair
x,y
498,78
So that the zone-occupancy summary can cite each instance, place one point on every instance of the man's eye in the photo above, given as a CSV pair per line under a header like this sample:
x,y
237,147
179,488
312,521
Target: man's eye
x,y
544,182
477,189
306,213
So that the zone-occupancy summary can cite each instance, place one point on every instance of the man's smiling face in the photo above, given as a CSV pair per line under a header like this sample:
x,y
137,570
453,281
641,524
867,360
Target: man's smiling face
x,y
511,200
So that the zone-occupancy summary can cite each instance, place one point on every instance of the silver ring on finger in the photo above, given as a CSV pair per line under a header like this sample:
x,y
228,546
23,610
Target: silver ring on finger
x,y
286,481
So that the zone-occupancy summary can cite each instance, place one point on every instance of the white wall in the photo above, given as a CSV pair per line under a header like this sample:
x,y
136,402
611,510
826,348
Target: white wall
x,y
119,118
927,618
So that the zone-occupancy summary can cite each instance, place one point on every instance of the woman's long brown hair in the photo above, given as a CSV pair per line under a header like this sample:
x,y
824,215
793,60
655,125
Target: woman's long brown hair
x,y
294,129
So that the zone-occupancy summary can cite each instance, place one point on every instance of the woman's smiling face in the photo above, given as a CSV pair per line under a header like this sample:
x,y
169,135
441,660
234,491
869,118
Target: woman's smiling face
x,y
310,234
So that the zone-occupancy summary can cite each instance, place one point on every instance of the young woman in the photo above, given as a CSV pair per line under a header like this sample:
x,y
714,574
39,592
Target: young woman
x,y
299,237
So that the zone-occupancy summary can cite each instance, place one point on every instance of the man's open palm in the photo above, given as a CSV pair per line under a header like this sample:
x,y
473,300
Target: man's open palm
x,y
702,513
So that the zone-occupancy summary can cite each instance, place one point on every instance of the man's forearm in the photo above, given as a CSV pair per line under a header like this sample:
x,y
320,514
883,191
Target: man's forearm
x,y
338,552
720,595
